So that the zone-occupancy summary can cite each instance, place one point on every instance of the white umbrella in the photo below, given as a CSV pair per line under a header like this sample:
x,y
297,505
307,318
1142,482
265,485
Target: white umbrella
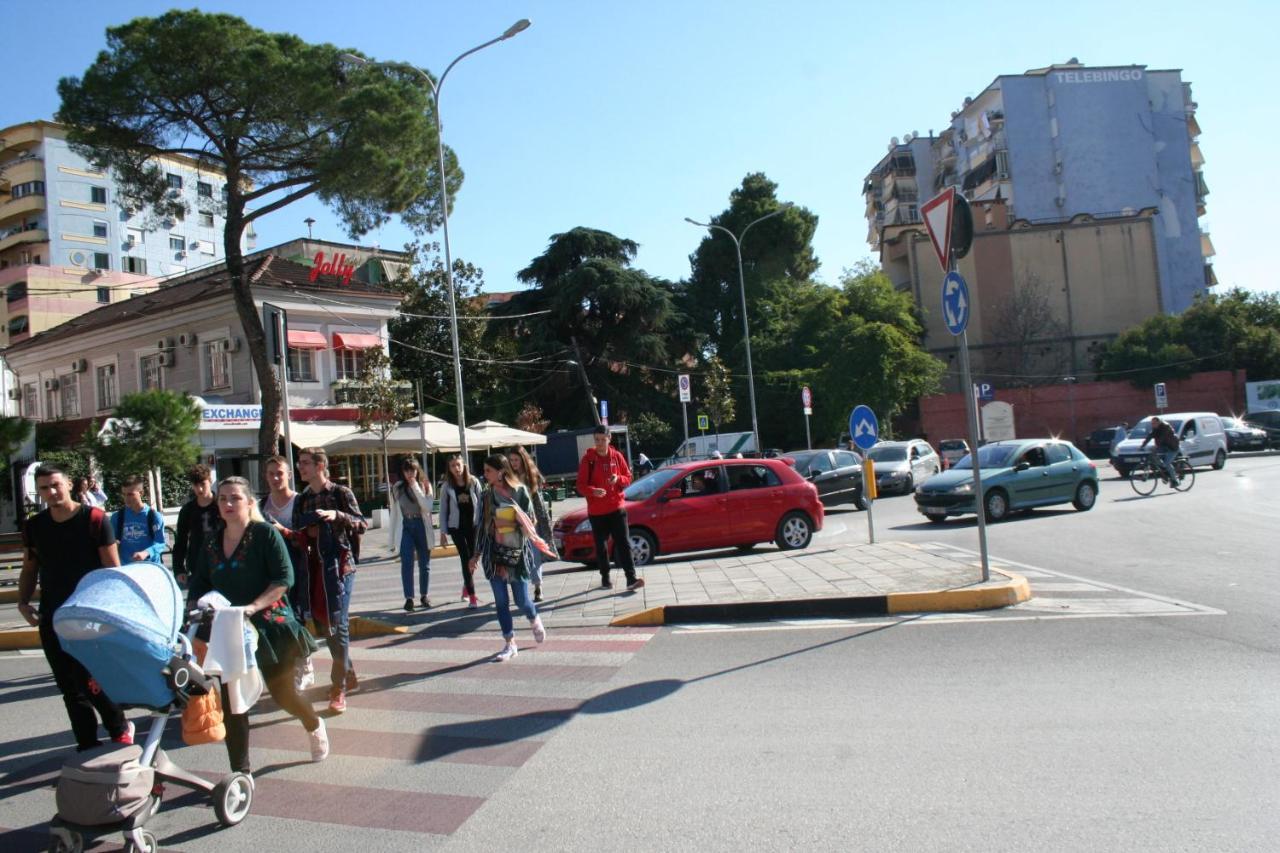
x,y
494,434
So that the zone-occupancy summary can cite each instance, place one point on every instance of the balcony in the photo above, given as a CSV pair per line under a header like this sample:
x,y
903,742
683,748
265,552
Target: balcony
x,y
1202,188
17,237
24,206
27,167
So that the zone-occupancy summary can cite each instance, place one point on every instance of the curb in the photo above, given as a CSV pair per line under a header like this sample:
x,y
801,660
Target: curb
x,y
1014,590
361,627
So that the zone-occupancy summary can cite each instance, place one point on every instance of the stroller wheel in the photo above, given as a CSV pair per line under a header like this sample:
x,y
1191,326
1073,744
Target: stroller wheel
x,y
63,840
232,798
149,843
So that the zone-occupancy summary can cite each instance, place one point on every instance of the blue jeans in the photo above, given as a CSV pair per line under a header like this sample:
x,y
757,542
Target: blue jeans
x,y
502,603
413,538
339,637
1166,460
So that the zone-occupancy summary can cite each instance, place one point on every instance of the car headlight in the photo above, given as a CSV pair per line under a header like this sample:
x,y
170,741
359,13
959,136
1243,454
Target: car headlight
x,y
584,526
962,489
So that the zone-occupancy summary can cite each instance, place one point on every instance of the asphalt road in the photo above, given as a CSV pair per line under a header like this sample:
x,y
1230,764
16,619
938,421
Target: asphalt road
x,y
1118,731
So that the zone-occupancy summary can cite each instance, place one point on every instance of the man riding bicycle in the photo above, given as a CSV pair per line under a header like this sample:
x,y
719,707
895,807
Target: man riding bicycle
x,y
1166,441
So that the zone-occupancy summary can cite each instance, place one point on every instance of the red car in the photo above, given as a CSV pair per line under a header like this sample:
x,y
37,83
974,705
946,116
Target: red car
x,y
715,503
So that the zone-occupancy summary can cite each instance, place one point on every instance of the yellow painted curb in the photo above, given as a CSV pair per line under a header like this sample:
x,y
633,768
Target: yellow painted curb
x,y
446,551
14,639
360,627
652,616
1015,591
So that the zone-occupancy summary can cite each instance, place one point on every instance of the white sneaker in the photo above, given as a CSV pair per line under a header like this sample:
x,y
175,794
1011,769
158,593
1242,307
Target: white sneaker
x,y
508,652
539,632
304,674
319,743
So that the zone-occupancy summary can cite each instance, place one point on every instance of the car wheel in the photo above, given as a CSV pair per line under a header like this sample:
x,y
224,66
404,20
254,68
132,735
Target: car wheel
x,y
794,531
997,505
936,519
860,500
1086,496
1220,460
643,547
910,485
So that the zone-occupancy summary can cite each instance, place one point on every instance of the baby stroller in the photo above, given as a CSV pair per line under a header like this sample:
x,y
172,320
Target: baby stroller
x,y
124,624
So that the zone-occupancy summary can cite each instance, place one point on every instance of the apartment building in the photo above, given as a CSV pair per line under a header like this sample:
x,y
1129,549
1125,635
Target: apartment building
x,y
1087,187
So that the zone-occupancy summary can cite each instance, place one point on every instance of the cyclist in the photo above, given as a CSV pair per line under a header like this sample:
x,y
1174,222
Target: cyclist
x,y
1166,446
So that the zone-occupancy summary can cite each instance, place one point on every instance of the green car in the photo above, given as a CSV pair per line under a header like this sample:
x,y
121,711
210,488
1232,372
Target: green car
x,y
1016,475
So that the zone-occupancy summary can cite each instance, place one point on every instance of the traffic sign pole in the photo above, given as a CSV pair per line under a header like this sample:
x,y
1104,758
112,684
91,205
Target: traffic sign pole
x,y
971,413
806,400
808,442
684,409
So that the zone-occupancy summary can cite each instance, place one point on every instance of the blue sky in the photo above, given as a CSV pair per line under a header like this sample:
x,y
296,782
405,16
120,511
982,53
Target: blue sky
x,y
631,116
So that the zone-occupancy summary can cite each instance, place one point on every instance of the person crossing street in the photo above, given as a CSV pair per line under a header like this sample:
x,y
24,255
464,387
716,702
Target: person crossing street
x,y
603,475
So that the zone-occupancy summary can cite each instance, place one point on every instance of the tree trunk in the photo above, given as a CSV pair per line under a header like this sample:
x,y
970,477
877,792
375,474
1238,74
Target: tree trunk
x,y
255,335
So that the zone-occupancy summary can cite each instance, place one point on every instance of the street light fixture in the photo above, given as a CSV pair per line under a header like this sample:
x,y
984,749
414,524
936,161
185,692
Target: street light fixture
x,y
742,289
435,86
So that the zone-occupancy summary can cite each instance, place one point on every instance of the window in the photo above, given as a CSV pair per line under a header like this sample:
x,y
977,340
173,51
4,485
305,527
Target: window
x,y
845,458
16,291
29,188
751,477
104,294
137,266
175,181
206,220
350,363
136,236
100,229
30,402
219,364
302,365
51,400
204,190
98,195
180,214
706,481
101,261
18,325
106,376
820,463
1056,453
151,373
177,244
69,385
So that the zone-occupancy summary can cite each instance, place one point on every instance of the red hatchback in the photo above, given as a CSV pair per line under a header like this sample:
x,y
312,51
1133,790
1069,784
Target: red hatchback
x,y
694,506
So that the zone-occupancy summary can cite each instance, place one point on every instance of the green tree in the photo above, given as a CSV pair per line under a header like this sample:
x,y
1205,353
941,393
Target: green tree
x,y
382,402
625,321
717,395
151,431
649,430
281,118
14,433
1235,330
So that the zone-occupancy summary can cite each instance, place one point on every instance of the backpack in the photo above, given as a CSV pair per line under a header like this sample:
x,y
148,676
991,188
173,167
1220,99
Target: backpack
x,y
118,522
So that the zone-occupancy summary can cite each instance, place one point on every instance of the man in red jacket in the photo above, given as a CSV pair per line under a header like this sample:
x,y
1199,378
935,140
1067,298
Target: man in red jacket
x,y
602,475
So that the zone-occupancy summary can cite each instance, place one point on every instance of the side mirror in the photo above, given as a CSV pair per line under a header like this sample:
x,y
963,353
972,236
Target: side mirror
x,y
1022,466
669,494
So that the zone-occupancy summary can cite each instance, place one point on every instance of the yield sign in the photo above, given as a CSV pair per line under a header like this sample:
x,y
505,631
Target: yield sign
x,y
937,221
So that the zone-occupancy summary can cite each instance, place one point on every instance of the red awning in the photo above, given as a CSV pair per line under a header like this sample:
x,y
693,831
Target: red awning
x,y
351,340
300,339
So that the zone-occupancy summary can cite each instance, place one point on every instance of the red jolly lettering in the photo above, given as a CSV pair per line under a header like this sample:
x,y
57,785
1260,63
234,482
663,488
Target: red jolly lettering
x,y
339,266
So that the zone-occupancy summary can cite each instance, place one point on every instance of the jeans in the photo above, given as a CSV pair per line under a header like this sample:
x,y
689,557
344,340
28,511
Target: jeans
x,y
1166,460
79,695
413,538
465,541
502,603
339,638
613,525
282,690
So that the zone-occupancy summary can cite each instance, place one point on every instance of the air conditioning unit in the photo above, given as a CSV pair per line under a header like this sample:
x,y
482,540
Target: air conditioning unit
x,y
187,339
231,344
180,254
15,394
166,359
51,385
79,366
165,343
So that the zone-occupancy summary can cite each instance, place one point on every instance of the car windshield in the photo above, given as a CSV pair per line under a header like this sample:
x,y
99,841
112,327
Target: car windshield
x,y
648,485
887,454
804,460
952,445
991,456
1231,423
1143,428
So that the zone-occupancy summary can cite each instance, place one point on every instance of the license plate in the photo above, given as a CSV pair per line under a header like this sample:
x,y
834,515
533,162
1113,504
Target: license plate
x,y
934,511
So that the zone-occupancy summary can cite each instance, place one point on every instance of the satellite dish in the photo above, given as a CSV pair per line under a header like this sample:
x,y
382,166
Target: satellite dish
x,y
893,141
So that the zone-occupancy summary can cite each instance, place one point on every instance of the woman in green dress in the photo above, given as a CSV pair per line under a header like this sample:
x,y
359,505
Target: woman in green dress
x,y
247,561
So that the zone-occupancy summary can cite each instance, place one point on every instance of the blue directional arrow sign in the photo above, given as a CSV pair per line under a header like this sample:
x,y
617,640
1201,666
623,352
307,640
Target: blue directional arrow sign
x,y
863,427
955,303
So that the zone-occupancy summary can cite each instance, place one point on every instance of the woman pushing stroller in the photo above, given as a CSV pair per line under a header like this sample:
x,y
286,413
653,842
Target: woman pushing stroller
x,y
247,562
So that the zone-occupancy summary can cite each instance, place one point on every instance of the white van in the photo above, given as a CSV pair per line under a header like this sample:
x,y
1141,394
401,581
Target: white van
x,y
1200,437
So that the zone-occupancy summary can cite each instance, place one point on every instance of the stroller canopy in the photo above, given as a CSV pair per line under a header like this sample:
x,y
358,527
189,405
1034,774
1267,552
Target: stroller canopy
x,y
122,624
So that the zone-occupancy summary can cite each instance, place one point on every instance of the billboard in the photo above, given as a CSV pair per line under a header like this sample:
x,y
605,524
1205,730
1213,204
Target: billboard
x,y
1262,396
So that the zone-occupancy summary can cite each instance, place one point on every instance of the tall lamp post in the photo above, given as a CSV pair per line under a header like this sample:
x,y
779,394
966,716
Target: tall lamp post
x,y
742,289
435,86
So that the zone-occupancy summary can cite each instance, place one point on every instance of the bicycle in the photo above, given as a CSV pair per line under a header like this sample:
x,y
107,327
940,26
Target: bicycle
x,y
1147,474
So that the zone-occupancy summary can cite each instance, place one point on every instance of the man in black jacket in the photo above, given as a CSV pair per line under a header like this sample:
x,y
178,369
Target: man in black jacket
x,y
1166,441
195,519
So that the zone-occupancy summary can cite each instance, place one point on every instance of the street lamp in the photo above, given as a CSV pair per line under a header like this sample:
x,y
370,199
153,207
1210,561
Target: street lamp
x,y
742,289
435,86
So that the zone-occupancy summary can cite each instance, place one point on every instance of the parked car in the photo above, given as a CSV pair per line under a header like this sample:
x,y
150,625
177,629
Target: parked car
x,y
694,506
952,450
901,465
1016,475
837,474
1242,435
1200,436
1268,422
1098,444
